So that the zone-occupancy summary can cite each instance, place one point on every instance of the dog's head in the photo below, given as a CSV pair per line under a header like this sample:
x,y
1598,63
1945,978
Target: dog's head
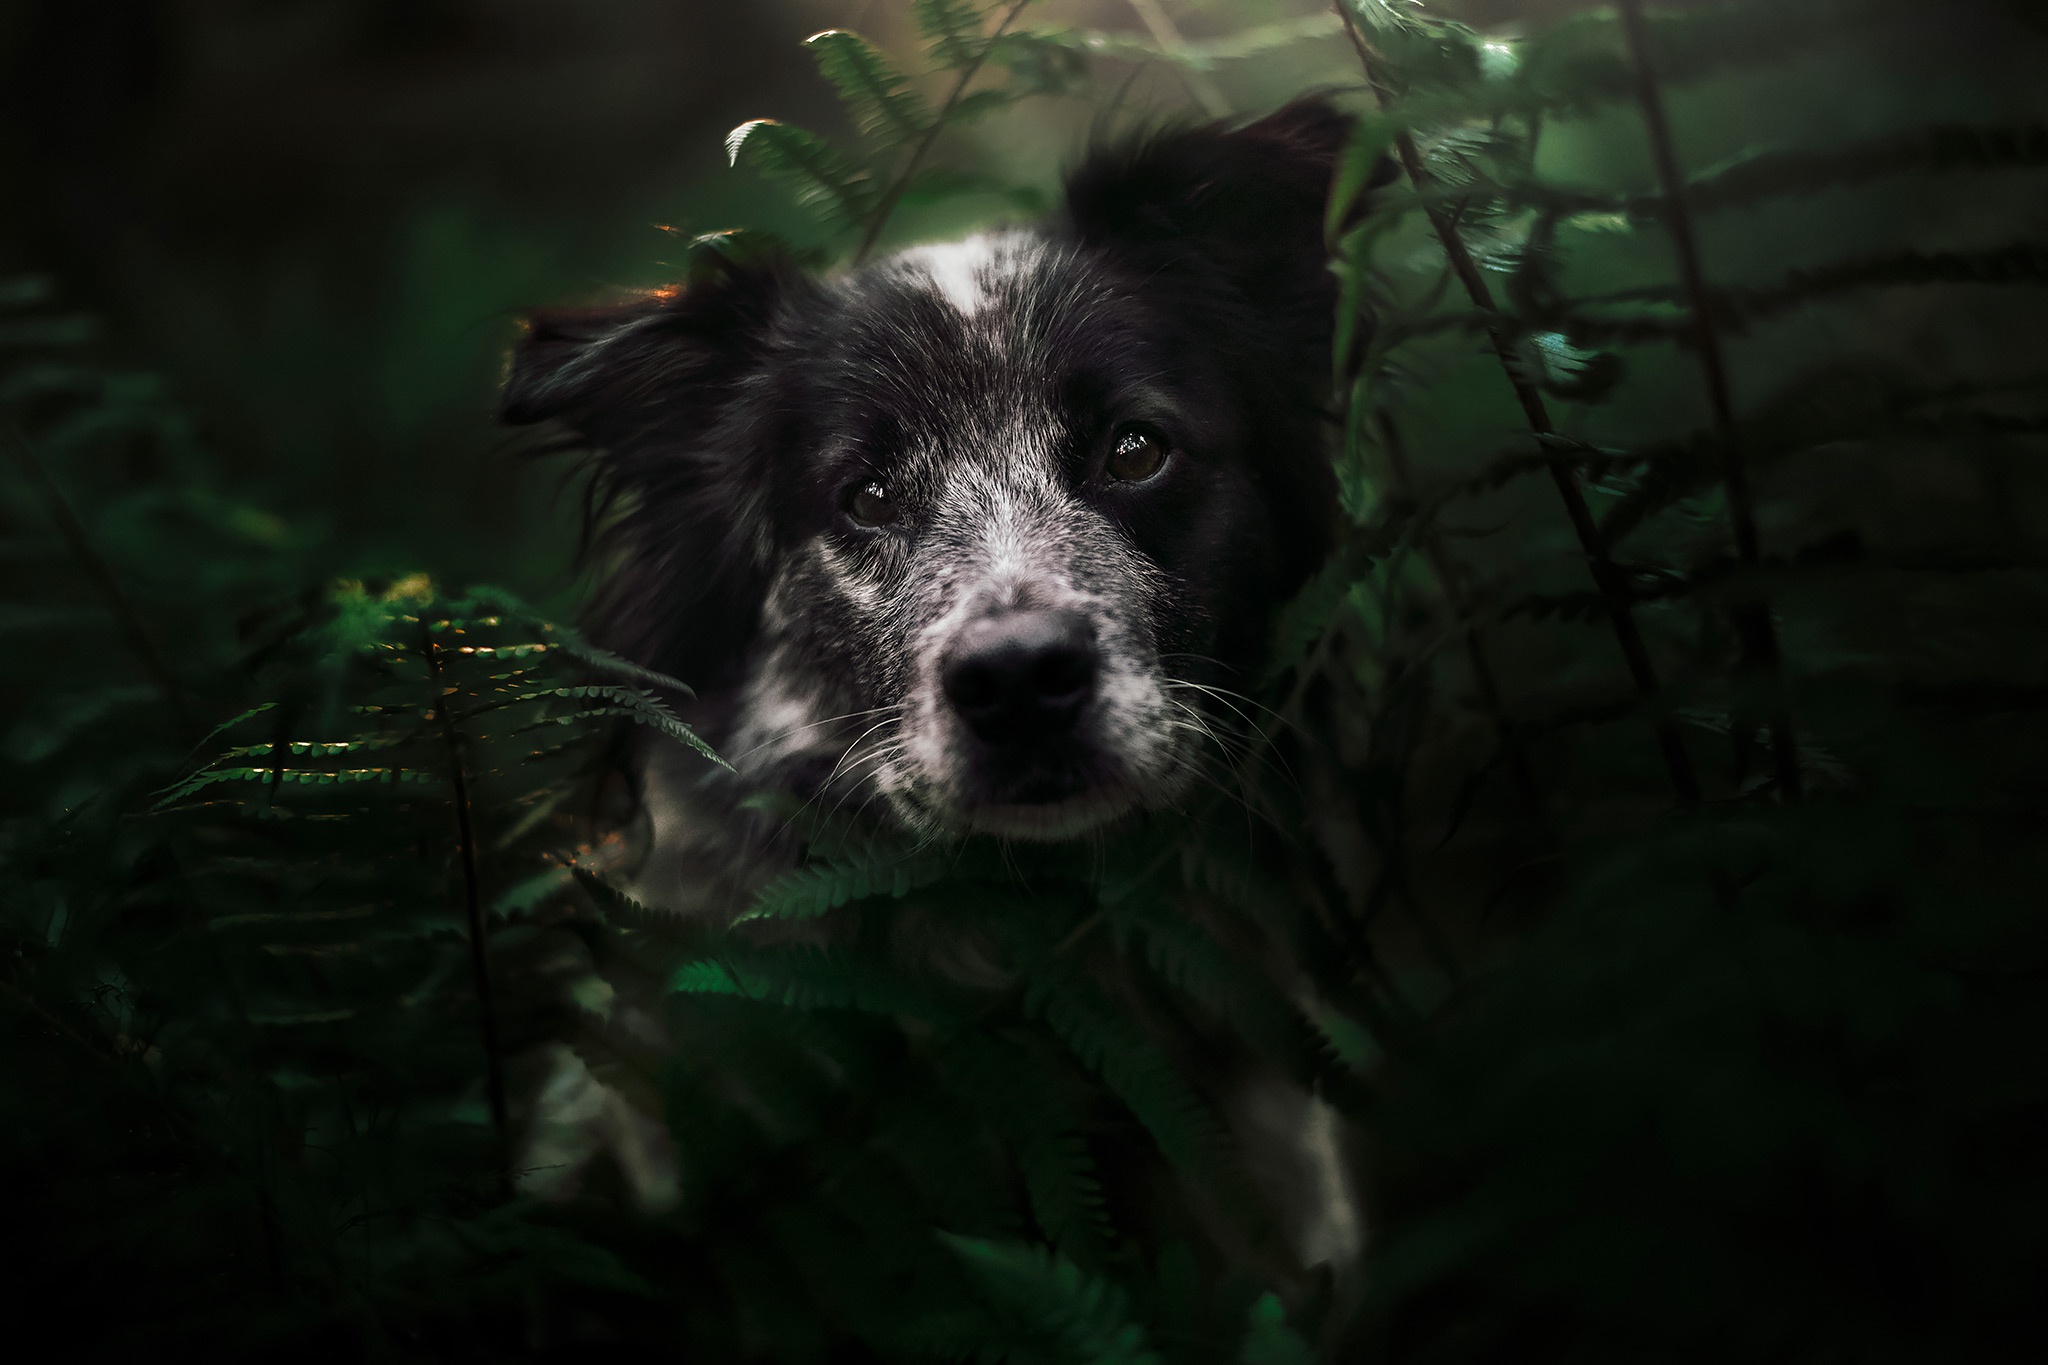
x,y
977,528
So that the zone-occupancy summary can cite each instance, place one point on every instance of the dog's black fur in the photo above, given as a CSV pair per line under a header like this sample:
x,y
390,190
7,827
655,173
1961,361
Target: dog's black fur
x,y
1026,499
1182,294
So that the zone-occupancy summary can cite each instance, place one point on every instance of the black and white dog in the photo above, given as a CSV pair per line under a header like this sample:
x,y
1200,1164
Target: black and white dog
x,y
968,533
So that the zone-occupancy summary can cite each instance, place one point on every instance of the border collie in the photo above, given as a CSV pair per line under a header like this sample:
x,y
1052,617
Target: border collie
x,y
966,535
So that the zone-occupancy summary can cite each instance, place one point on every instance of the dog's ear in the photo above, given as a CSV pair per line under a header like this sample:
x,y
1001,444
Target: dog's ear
x,y
1220,229
1238,208
666,392
616,372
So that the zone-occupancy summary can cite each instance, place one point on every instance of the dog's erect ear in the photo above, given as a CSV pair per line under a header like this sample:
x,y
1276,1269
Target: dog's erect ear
x,y
1239,206
668,392
1220,229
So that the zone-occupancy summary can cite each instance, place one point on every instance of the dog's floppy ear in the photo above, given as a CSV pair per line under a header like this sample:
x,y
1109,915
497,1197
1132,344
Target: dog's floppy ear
x,y
666,391
1238,208
613,372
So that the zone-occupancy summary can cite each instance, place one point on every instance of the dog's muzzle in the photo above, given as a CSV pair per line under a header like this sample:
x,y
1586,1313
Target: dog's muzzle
x,y
1021,683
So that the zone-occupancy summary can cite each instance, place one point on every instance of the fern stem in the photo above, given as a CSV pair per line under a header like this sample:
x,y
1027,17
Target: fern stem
x,y
119,603
1607,577
887,204
1752,614
472,891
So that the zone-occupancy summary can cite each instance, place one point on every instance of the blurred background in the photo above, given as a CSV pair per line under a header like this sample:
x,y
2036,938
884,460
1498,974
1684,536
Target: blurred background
x,y
320,218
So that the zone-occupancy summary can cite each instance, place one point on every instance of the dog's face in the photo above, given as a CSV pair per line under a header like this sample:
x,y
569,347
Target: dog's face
x,y
1018,518
976,532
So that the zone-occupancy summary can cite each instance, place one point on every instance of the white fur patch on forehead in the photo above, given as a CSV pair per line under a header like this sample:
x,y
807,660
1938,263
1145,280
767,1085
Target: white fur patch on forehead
x,y
967,273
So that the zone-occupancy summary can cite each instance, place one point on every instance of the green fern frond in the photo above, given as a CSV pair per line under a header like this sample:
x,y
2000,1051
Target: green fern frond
x,y
1053,1305
2015,263
1268,1340
1306,618
880,98
807,979
1028,1109
953,30
1111,1045
639,706
820,176
866,870
1773,174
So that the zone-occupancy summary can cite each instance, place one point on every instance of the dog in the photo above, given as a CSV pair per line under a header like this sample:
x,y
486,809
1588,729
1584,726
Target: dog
x,y
971,536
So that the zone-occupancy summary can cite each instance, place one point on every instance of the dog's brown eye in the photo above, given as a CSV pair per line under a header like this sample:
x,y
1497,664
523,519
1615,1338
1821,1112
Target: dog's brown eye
x,y
1137,455
870,504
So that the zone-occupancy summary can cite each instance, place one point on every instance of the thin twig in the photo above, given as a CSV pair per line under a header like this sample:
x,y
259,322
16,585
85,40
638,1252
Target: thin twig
x,y
1167,34
1607,577
479,960
887,204
1752,615
58,508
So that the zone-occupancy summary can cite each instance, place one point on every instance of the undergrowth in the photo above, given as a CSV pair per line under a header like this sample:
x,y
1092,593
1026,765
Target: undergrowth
x,y
1645,802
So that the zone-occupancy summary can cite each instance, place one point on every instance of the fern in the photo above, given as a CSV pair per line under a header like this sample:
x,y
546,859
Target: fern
x,y
877,95
1058,1307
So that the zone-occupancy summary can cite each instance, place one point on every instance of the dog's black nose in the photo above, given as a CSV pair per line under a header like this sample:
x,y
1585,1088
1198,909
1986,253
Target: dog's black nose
x,y
1021,676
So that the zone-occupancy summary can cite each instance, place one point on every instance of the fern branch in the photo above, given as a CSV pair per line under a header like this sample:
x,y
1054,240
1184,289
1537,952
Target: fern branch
x,y
472,892
878,218
1752,615
1608,579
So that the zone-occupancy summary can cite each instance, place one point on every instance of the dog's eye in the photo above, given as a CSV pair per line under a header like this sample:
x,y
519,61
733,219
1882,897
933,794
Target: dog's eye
x,y
1137,455
869,503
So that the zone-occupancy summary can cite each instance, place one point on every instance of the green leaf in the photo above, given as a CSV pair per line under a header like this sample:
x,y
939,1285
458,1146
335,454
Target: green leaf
x,y
953,30
483,599
1054,1305
873,869
1110,1044
706,978
1316,607
1004,1084
1268,1340
1363,154
883,105
822,179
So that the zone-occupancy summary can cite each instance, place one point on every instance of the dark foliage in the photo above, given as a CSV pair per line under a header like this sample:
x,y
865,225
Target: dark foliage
x,y
1638,839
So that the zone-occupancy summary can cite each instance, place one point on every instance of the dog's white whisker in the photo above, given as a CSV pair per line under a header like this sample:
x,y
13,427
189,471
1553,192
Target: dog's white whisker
x,y
795,730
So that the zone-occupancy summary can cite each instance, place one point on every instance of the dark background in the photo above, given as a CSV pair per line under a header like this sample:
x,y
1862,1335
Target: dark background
x,y
320,217
1699,1132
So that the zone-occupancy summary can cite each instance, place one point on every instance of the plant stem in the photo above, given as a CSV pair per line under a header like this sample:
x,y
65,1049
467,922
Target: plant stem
x,y
1167,34
1751,613
887,204
119,603
1612,585
472,890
